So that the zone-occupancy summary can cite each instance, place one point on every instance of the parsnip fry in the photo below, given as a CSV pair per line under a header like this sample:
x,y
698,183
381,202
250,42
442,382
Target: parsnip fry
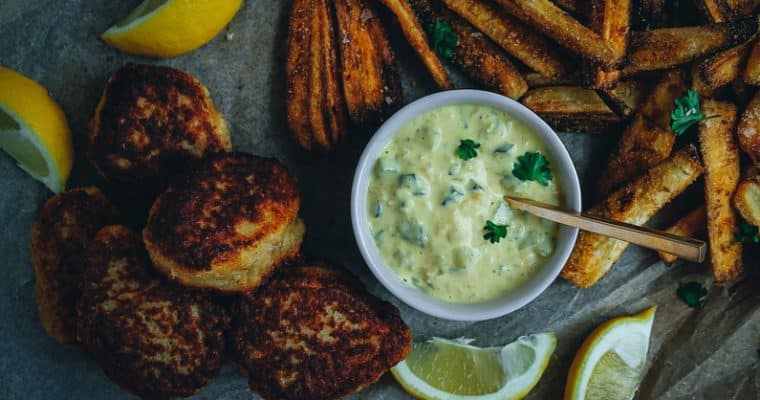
x,y
690,225
627,96
371,83
571,109
565,30
570,5
536,80
719,70
747,200
668,47
635,203
517,39
478,57
610,19
752,68
748,131
721,157
417,38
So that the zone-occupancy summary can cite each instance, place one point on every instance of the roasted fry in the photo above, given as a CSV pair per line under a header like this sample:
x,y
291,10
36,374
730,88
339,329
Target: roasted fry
x,y
748,131
690,225
571,109
648,139
478,57
417,38
610,19
517,39
714,10
634,203
314,102
747,200
535,80
626,96
570,5
752,68
721,157
371,83
668,47
565,30
718,70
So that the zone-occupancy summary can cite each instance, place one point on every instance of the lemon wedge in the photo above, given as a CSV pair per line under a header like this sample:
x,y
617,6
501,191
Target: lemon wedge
x,y
610,361
455,370
169,28
34,130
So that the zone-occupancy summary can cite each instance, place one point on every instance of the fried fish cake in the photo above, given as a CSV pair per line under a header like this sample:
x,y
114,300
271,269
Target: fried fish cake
x,y
149,122
315,333
66,224
227,224
154,339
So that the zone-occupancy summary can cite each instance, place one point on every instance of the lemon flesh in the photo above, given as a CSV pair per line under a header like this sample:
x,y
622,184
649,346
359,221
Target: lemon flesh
x,y
34,130
611,360
453,369
169,28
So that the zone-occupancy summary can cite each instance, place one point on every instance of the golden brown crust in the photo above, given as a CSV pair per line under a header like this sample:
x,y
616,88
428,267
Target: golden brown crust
x,y
610,19
635,203
719,70
371,84
720,153
417,38
752,68
477,56
747,200
151,121
152,338
565,30
227,224
515,37
668,47
658,105
315,333
690,225
67,223
571,109
627,95
748,131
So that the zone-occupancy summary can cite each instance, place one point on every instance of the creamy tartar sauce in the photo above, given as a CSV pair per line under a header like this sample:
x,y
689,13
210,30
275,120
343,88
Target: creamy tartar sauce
x,y
428,207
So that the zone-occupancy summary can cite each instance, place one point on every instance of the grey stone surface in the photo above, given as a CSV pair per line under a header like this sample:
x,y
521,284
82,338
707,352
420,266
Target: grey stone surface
x,y
710,353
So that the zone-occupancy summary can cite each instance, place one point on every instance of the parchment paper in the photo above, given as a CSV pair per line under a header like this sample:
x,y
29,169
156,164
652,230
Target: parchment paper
x,y
709,353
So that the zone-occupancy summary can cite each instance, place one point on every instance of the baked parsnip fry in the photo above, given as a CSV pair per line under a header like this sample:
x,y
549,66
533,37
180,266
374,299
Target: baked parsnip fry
x,y
718,70
714,10
571,109
565,30
668,47
418,39
627,95
517,39
479,58
371,83
648,139
635,203
720,154
536,80
570,5
752,67
748,131
610,19
690,225
314,102
747,200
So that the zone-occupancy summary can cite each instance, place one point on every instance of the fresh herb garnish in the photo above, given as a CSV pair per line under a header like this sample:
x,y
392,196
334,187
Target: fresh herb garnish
x,y
533,167
687,113
747,233
494,233
443,39
692,293
466,149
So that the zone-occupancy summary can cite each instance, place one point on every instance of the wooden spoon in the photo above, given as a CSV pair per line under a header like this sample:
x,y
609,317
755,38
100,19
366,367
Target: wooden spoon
x,y
686,248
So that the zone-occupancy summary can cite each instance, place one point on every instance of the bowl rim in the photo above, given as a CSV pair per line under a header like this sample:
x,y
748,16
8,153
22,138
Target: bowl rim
x,y
415,298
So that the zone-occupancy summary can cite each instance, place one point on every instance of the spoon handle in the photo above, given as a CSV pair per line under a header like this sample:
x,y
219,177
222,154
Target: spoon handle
x,y
686,248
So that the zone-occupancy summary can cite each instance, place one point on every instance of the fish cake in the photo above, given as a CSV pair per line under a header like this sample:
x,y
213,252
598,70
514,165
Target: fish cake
x,y
150,121
154,339
227,224
314,332
65,226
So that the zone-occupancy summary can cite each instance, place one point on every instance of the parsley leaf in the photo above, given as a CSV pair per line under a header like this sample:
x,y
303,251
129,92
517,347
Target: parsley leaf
x,y
747,233
692,293
686,113
443,39
494,233
533,167
466,149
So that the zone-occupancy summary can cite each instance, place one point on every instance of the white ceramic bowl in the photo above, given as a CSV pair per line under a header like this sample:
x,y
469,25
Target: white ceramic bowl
x,y
562,166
